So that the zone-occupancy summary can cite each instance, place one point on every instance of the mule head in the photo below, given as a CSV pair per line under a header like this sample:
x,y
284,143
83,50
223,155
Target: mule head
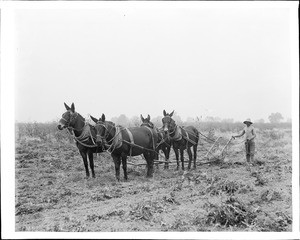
x,y
101,129
68,118
146,121
168,122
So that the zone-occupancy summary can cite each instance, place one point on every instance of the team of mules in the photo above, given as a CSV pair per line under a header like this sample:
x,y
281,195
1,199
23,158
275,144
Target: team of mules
x,y
121,142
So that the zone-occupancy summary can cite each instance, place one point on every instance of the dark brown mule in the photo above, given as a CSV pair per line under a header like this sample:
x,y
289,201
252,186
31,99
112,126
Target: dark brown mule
x,y
182,138
123,142
83,133
164,142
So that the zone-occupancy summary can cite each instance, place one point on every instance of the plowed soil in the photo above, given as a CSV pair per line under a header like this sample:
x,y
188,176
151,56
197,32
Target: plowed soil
x,y
52,193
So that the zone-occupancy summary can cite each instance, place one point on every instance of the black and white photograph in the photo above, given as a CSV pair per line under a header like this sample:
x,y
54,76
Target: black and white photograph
x,y
150,119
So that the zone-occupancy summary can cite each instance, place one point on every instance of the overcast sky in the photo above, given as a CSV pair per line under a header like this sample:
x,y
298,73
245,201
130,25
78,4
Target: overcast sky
x,y
222,62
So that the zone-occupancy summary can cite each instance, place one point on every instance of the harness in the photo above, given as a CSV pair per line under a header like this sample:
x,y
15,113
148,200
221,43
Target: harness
x,y
151,131
179,134
151,128
117,139
131,140
84,136
86,133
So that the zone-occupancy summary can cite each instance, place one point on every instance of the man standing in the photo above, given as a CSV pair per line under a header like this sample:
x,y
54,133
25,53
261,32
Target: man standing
x,y
249,140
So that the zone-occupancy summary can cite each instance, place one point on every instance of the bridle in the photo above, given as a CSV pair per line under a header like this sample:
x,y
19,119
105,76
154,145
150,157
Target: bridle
x,y
67,122
106,132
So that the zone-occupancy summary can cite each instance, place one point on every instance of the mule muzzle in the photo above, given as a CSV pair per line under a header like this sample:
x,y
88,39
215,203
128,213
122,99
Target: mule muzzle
x,y
166,130
99,140
61,127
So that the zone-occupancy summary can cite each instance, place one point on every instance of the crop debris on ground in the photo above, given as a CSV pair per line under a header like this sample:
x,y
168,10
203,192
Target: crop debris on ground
x,y
52,194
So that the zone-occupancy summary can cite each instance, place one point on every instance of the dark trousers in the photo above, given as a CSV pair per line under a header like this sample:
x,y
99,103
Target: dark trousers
x,y
250,150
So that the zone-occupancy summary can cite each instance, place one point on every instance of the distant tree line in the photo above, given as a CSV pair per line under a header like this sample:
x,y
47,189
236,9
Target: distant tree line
x,y
47,130
227,124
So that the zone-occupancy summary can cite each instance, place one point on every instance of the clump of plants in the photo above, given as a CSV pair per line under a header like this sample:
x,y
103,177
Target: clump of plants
x,y
180,225
230,213
228,187
270,195
277,222
260,180
24,210
146,210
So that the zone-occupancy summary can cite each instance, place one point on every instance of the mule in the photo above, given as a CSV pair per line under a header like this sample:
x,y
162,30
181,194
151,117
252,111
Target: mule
x,y
183,138
84,135
123,142
164,142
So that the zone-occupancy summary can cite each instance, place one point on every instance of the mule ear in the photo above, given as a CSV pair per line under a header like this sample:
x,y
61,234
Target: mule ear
x,y
143,119
148,117
171,114
164,112
94,119
73,107
67,107
103,117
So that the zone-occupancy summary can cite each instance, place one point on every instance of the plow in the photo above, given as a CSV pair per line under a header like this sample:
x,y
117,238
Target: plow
x,y
215,153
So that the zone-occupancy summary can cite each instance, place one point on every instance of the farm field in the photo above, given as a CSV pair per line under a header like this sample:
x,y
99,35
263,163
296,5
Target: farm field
x,y
53,195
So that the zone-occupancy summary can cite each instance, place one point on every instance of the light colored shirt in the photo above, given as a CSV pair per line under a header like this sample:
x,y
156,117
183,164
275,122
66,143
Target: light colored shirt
x,y
249,132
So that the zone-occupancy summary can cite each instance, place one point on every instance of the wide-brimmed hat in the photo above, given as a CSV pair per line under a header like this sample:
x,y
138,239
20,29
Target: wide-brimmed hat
x,y
248,120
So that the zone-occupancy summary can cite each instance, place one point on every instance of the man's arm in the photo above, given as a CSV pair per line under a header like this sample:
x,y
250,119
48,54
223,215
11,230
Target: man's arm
x,y
242,133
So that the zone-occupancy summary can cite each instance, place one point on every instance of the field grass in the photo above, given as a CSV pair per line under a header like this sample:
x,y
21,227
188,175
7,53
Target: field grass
x,y
228,195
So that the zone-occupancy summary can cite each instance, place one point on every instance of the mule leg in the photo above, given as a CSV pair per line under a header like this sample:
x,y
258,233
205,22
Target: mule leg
x,y
85,162
117,161
195,155
167,153
177,157
150,163
181,158
124,165
91,159
190,157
